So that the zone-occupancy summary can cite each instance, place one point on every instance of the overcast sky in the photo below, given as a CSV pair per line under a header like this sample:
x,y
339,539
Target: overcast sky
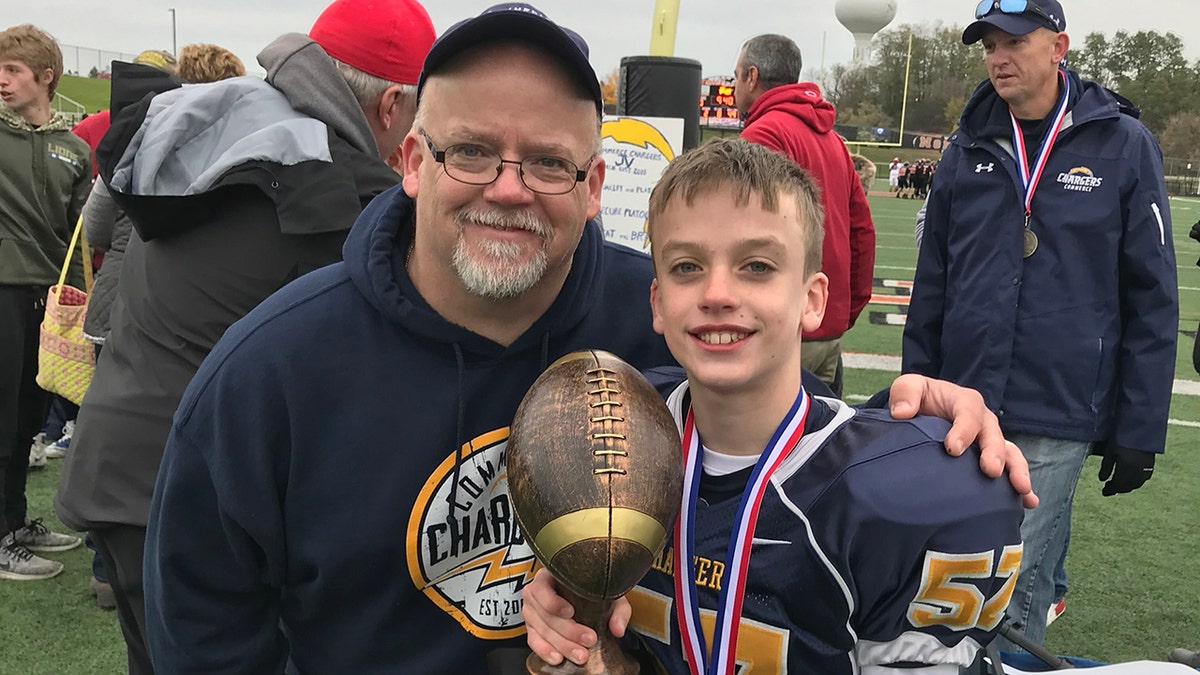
x,y
710,31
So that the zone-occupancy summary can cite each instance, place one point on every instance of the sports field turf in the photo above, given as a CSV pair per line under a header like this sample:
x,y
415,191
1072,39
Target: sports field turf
x,y
90,92
1134,562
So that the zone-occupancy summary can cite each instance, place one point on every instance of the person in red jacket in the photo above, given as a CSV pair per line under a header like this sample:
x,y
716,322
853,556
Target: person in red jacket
x,y
791,117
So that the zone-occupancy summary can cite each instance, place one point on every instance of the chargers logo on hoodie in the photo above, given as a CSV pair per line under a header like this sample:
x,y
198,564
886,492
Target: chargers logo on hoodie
x,y
465,551
1080,179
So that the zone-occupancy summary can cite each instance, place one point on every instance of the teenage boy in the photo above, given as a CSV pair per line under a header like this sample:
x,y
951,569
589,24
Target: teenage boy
x,y
45,176
820,538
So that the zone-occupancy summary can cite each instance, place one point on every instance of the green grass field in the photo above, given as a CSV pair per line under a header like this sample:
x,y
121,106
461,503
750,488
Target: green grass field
x,y
53,627
90,92
1133,560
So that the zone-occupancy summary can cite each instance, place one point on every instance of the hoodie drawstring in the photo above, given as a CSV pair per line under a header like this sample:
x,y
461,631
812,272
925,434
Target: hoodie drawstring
x,y
545,352
458,431
459,434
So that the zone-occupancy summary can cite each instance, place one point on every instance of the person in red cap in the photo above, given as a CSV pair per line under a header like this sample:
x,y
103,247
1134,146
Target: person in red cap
x,y
234,188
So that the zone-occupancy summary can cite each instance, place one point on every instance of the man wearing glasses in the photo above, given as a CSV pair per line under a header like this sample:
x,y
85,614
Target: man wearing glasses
x,y
333,496
1046,276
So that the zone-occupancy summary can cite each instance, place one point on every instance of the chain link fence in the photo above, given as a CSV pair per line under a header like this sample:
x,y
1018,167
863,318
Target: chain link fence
x,y
1183,176
81,61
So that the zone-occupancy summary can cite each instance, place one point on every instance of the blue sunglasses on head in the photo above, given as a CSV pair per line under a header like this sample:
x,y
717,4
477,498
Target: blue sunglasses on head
x,y
1012,7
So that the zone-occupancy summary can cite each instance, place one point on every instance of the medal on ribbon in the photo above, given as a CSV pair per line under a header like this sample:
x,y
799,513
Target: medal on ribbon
x,y
737,557
1030,175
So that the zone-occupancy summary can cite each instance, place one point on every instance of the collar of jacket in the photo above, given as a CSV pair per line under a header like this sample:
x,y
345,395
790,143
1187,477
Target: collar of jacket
x,y
321,191
311,197
299,68
13,119
803,100
375,253
986,115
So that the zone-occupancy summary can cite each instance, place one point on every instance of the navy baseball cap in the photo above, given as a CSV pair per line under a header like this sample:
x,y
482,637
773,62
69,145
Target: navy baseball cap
x,y
1015,17
523,23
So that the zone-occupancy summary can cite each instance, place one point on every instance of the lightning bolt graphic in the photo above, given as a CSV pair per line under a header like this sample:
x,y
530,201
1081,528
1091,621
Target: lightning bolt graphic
x,y
637,132
497,570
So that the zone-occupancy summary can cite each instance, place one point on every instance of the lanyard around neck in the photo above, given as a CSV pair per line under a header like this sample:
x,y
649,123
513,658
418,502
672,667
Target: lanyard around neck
x,y
737,556
1031,174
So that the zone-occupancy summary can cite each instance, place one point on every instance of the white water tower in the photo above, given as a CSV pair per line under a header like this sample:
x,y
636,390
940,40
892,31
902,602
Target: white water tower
x,y
864,18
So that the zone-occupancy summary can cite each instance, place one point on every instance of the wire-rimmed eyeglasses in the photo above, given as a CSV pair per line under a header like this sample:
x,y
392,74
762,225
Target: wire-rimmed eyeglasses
x,y
475,164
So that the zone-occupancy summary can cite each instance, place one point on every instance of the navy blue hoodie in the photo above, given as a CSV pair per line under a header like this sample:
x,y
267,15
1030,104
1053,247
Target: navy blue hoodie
x,y
306,513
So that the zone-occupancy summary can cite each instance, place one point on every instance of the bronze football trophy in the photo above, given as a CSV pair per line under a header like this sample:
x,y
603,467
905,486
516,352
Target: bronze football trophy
x,y
595,473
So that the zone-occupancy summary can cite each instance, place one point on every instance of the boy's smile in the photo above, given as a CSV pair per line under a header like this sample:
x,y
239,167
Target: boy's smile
x,y
731,296
716,337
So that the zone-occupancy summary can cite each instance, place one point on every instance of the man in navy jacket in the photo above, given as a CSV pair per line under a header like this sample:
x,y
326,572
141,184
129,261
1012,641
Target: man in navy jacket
x,y
1046,278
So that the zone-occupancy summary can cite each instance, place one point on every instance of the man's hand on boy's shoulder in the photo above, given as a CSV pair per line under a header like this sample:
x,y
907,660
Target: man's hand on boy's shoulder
x,y
971,422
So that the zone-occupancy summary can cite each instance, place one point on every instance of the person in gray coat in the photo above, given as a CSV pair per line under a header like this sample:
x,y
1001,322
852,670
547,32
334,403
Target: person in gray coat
x,y
107,228
234,188
105,223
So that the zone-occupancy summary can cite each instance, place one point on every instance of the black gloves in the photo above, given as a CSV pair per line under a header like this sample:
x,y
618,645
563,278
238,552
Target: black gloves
x,y
1125,470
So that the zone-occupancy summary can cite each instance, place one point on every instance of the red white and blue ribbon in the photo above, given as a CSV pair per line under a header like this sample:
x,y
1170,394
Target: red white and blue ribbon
x,y
1030,175
737,557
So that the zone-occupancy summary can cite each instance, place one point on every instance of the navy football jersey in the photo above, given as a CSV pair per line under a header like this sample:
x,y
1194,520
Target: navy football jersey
x,y
873,547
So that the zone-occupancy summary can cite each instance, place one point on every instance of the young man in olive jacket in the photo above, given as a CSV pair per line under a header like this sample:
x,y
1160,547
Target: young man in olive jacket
x,y
45,174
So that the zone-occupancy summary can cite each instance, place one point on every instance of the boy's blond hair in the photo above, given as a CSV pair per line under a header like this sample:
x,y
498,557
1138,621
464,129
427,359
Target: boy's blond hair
x,y
36,48
746,169
202,63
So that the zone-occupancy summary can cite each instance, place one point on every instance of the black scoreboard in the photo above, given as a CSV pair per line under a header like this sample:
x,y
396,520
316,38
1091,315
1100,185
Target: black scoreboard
x,y
717,108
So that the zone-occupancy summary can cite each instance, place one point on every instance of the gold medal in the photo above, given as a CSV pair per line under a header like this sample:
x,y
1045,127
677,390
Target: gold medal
x,y
1031,242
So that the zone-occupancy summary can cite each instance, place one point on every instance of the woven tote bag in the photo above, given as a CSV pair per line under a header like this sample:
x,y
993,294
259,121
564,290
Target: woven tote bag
x,y
66,360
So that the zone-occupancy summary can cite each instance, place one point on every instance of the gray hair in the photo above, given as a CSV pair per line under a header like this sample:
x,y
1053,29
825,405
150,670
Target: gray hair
x,y
368,88
776,57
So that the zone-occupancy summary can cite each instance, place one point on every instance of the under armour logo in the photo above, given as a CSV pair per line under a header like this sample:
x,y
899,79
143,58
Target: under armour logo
x,y
981,167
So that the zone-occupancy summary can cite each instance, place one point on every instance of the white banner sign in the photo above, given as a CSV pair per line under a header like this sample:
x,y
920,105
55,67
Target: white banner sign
x,y
636,151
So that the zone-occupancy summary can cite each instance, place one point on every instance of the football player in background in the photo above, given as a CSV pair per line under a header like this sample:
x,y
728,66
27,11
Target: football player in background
x,y
819,538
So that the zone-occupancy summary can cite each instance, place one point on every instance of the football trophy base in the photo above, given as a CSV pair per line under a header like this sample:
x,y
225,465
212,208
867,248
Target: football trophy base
x,y
595,475
604,658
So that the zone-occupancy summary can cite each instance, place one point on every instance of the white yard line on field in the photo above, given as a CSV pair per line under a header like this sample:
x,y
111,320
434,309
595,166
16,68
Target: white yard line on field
x,y
859,398
871,361
891,364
